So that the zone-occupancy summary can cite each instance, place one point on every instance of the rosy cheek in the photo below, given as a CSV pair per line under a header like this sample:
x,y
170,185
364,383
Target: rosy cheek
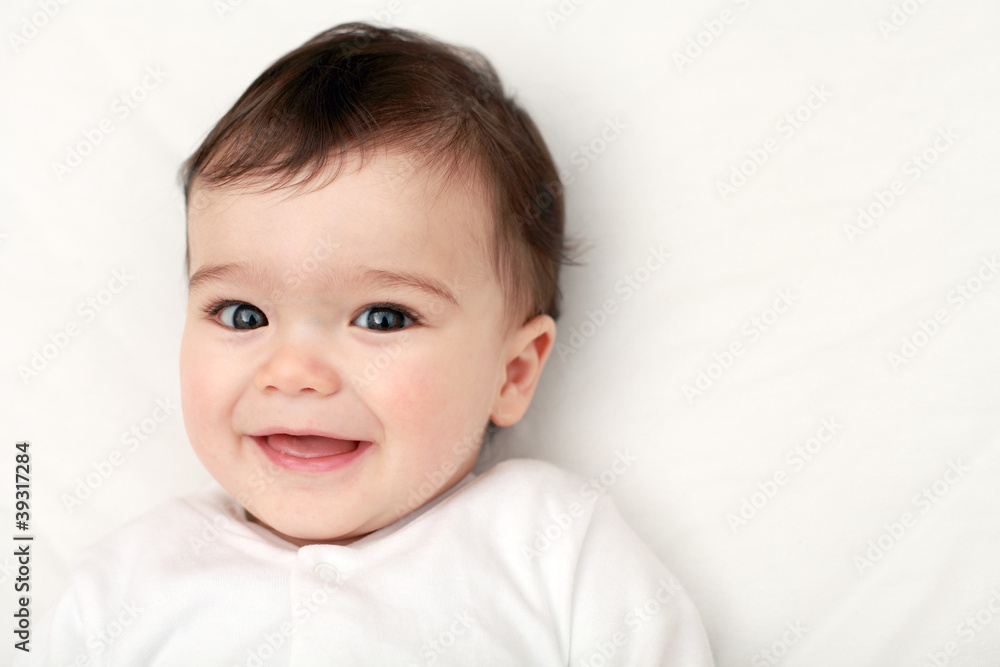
x,y
429,400
201,389
405,393
196,411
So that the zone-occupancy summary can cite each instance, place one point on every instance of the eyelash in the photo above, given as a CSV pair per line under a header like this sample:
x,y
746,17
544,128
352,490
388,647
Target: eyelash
x,y
213,309
391,306
217,307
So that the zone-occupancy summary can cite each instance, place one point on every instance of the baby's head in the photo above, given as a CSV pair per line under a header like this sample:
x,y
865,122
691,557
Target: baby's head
x,y
374,240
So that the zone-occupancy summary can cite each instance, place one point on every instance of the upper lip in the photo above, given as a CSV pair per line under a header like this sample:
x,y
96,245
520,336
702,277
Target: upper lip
x,y
298,432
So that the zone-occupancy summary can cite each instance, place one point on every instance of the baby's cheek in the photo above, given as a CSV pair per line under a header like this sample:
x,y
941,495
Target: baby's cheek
x,y
443,401
205,385
196,376
408,392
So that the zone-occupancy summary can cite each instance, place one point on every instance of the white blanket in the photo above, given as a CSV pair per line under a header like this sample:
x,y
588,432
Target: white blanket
x,y
788,315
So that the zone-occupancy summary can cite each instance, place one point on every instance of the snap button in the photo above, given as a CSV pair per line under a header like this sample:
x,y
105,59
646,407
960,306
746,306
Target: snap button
x,y
328,573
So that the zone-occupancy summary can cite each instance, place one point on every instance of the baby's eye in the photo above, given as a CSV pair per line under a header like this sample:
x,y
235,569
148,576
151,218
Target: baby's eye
x,y
384,318
242,316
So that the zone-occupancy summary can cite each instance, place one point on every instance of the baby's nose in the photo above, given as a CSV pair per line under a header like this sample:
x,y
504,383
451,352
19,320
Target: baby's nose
x,y
294,367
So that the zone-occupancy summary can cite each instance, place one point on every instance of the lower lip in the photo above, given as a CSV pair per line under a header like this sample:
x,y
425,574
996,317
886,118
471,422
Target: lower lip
x,y
317,464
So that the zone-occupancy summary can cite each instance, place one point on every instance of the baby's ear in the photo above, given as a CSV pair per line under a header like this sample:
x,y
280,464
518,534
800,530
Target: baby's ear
x,y
527,353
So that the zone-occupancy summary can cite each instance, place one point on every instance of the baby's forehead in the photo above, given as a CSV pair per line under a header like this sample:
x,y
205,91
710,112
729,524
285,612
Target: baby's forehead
x,y
392,205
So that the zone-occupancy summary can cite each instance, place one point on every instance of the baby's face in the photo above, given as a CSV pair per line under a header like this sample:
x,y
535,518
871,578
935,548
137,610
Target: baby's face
x,y
343,347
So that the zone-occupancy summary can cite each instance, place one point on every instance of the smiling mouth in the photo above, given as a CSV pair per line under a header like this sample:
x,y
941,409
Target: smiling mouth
x,y
308,446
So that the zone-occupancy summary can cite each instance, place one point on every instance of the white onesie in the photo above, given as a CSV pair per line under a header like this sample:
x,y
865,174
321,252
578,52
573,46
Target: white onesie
x,y
521,565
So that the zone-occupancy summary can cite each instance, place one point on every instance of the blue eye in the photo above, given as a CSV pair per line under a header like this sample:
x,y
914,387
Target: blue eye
x,y
241,316
384,318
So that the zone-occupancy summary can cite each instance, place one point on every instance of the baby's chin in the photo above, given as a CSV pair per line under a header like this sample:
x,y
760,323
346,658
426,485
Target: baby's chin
x,y
305,538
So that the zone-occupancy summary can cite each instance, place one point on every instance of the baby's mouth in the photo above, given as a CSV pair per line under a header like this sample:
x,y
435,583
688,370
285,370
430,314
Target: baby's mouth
x,y
308,446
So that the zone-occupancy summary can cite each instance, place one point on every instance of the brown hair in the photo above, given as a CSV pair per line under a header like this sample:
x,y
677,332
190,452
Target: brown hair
x,y
357,87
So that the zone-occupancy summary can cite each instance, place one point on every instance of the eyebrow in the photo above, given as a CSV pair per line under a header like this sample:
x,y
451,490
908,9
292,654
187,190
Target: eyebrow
x,y
252,272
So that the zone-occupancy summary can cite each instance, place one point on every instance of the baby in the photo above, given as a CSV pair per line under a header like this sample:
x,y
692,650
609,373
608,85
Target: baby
x,y
374,239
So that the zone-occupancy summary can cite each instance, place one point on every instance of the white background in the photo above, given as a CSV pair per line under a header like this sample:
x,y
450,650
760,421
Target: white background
x,y
890,90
